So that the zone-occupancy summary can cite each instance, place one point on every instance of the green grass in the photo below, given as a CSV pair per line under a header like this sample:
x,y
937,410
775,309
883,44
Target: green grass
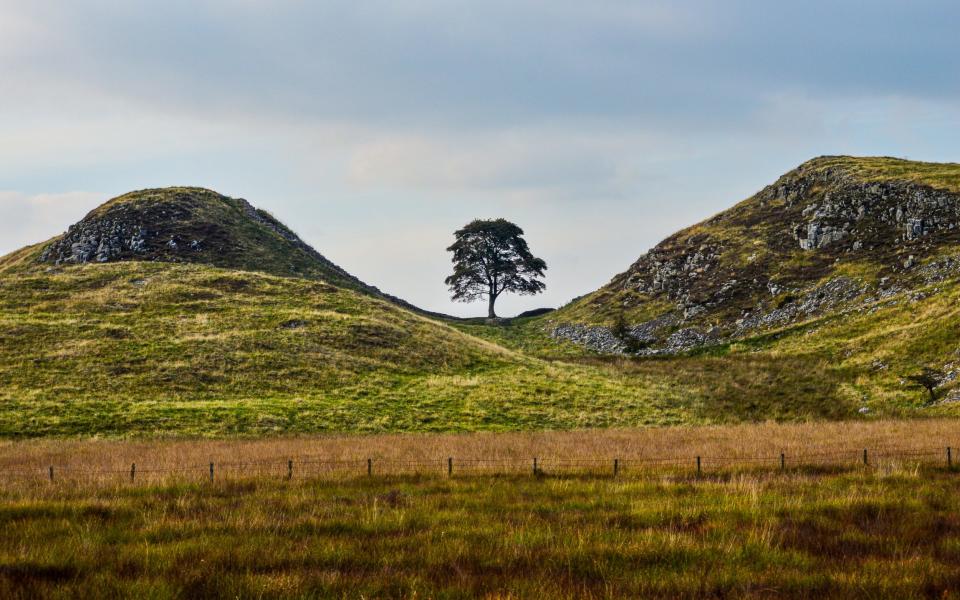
x,y
150,349
157,349
608,304
857,534
529,335
884,168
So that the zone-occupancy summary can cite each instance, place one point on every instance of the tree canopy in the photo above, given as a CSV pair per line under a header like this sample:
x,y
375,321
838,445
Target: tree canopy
x,y
491,257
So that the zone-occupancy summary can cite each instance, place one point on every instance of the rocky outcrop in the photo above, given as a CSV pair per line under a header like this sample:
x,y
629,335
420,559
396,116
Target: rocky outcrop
x,y
864,213
829,296
663,335
96,241
596,338
663,272
829,211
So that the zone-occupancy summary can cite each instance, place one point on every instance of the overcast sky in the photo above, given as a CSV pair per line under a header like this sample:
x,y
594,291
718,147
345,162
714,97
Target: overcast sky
x,y
375,129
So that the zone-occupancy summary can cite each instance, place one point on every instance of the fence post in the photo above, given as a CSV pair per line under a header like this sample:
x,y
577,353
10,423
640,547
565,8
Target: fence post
x,y
369,467
949,458
783,461
616,466
865,461
51,472
211,471
535,470
698,466
133,471
289,470
450,467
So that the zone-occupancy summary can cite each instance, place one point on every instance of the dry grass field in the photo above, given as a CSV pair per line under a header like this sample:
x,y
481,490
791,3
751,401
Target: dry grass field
x,y
830,527
743,445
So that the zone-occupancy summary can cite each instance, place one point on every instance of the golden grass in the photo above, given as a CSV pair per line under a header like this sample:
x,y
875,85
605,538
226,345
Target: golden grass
x,y
719,446
822,532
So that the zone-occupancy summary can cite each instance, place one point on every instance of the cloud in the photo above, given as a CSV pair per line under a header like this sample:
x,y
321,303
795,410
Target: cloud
x,y
465,64
558,161
600,127
28,219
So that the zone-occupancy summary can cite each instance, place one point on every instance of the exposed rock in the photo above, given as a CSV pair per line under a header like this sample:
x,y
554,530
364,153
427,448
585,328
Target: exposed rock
x,y
819,235
658,335
96,241
940,269
861,208
830,295
690,337
647,332
596,338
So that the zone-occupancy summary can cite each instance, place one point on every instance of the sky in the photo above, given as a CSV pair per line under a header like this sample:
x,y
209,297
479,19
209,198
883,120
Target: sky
x,y
376,129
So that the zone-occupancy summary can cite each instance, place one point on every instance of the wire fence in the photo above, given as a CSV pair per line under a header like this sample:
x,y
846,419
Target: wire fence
x,y
311,466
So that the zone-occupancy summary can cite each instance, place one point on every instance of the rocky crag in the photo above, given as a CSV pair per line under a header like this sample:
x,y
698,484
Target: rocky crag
x,y
835,234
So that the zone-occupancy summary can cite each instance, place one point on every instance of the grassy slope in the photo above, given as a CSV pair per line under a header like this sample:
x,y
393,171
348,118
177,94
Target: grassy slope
x,y
150,348
153,349
853,359
883,168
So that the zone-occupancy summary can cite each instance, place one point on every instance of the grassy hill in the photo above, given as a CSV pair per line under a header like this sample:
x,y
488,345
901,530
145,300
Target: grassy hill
x,y
196,225
845,266
834,233
132,348
832,216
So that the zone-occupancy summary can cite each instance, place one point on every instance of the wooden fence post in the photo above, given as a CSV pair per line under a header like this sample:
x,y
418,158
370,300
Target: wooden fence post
x,y
535,470
698,466
783,461
369,467
616,466
289,470
865,461
133,471
450,467
949,458
211,471
51,472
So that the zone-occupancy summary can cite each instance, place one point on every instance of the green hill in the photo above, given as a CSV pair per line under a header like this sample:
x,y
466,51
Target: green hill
x,y
844,266
196,225
835,233
192,225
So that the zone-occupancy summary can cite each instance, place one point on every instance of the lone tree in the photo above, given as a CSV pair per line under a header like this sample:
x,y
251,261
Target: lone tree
x,y
491,257
928,378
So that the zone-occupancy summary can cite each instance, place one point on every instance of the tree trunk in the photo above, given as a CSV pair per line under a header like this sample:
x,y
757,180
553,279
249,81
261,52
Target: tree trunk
x,y
490,312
